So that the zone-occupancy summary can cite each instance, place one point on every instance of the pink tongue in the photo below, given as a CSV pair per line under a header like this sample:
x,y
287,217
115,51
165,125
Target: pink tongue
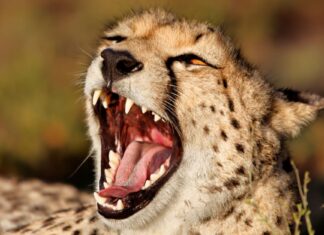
x,y
139,161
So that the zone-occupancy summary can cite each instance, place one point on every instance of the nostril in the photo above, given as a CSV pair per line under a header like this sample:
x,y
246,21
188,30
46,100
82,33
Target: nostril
x,y
126,66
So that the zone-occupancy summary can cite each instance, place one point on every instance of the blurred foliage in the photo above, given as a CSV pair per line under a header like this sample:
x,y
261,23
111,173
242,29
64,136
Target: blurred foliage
x,y
45,47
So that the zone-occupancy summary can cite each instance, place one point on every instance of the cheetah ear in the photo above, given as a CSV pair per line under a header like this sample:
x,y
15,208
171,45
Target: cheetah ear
x,y
293,109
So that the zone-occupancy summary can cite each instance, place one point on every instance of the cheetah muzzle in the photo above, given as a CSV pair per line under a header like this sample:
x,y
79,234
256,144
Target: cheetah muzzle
x,y
140,151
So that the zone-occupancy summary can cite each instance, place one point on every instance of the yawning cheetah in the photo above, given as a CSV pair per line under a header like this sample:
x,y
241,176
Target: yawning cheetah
x,y
188,137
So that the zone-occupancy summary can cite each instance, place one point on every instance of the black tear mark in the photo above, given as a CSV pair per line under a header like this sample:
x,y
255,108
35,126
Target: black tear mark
x,y
239,148
223,135
235,124
172,94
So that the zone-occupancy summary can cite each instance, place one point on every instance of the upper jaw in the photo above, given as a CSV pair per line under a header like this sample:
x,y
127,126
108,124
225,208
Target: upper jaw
x,y
101,95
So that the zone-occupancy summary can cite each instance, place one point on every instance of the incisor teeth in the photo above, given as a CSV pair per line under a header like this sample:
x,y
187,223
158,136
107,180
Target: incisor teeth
x,y
99,199
119,205
96,96
156,117
144,110
129,103
114,159
106,185
147,184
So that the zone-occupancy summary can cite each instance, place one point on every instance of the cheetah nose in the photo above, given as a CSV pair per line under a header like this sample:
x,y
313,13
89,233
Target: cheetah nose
x,y
118,64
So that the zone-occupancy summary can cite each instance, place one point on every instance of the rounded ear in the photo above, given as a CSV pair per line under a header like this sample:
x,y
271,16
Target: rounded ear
x,y
293,110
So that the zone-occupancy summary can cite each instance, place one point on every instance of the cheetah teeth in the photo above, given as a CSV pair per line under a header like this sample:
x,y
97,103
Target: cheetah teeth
x,y
156,117
114,160
96,96
103,201
99,94
155,176
144,110
103,97
128,105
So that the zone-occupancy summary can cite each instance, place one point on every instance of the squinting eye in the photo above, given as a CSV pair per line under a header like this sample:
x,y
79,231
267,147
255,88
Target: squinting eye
x,y
197,62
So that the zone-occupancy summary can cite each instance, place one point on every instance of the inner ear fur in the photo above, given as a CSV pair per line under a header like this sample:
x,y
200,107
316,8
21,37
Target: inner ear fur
x,y
293,110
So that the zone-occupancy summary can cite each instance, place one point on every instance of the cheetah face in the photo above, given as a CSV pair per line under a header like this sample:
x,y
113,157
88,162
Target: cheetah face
x,y
144,91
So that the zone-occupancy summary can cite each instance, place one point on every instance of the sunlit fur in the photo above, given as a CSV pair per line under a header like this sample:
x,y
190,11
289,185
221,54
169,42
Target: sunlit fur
x,y
231,179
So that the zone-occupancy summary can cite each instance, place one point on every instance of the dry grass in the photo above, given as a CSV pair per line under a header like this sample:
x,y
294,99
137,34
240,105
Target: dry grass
x,y
303,211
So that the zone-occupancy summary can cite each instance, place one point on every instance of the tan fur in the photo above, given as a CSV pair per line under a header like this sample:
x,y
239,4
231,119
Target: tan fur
x,y
234,177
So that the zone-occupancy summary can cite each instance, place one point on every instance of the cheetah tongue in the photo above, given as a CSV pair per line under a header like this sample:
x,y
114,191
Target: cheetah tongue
x,y
138,163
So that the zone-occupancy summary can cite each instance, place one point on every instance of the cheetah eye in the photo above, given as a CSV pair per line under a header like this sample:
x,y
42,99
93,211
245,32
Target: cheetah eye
x,y
191,59
115,39
197,62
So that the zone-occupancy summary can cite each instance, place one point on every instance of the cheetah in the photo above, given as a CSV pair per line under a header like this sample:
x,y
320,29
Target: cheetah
x,y
188,137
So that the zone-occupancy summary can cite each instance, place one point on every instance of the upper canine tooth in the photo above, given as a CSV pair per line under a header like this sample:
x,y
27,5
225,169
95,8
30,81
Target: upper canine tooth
x,y
144,109
96,96
156,117
99,199
120,205
129,103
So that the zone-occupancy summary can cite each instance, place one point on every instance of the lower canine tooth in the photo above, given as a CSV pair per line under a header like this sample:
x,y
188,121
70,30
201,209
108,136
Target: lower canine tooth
x,y
119,205
129,103
99,199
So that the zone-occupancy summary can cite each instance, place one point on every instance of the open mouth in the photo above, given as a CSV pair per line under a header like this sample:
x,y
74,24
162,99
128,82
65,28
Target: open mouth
x,y
139,153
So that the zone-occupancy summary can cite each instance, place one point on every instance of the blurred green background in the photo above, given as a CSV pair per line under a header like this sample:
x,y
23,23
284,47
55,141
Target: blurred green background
x,y
44,52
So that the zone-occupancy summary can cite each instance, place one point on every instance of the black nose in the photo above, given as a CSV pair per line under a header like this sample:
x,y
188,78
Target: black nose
x,y
118,64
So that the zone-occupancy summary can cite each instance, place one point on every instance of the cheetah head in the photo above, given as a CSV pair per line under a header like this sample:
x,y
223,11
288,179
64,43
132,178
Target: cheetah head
x,y
175,116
